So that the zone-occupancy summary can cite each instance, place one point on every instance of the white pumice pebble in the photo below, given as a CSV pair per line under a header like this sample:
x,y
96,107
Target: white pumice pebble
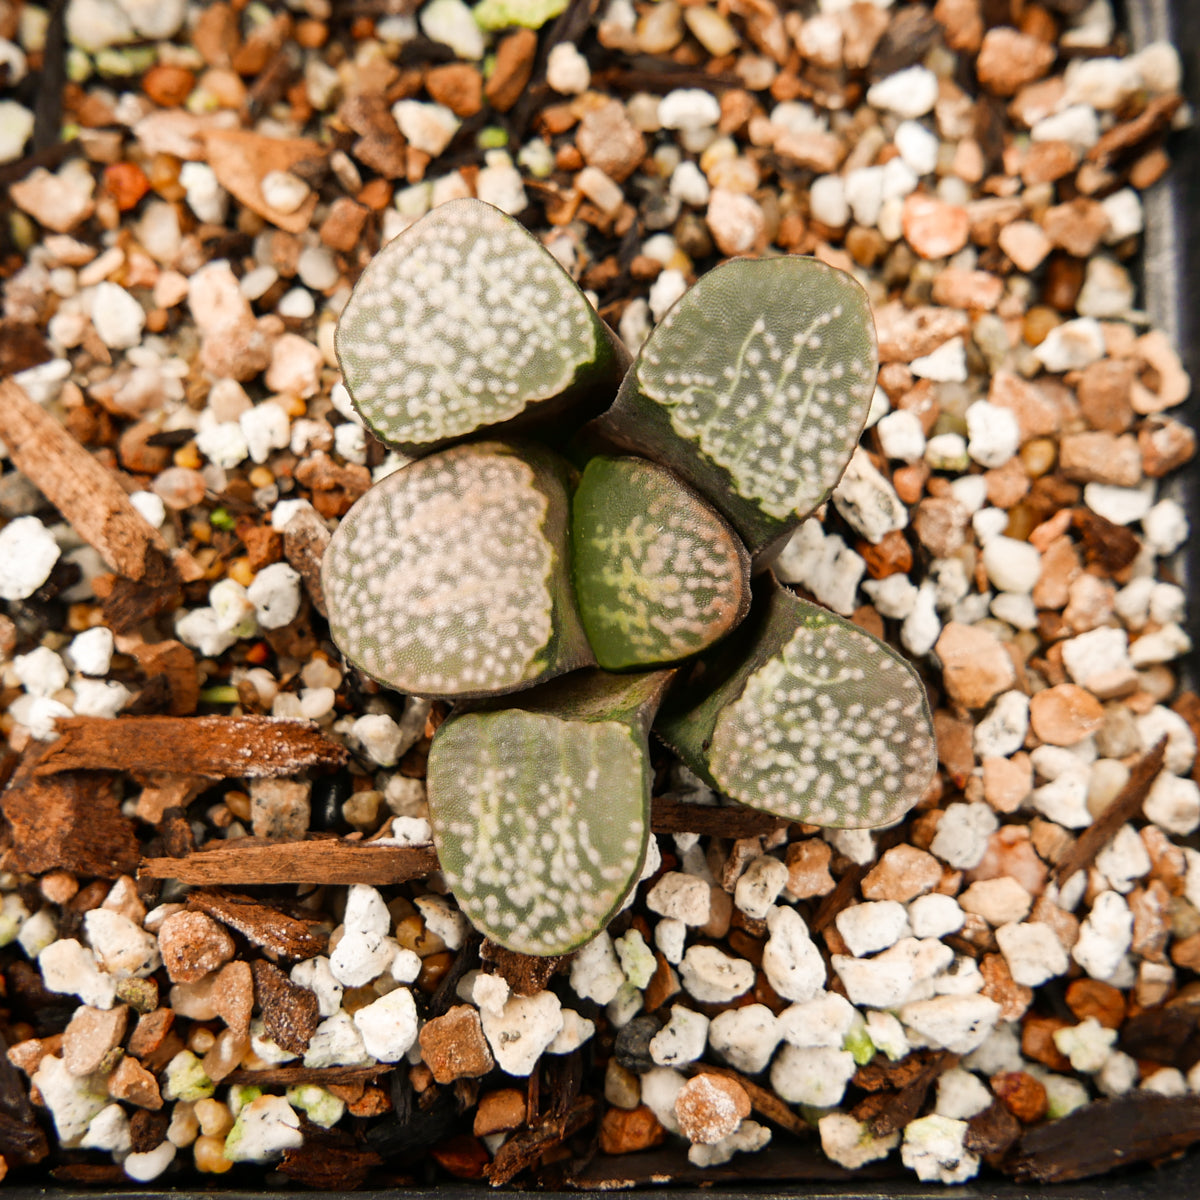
x,y
745,1037
314,974
955,1023
359,957
1121,505
1002,732
1162,645
850,1143
73,1100
867,500
1032,951
336,1043
791,961
989,525
894,596
934,1147
683,897
887,980
688,109
1104,936
901,436
41,672
567,70
872,926
961,1095
918,146
490,993
999,901
948,364
1088,1045
100,698
1012,565
264,1129
575,1030
1064,799
406,966
108,1130
713,977
909,93
265,427
993,435
823,1021
1173,804
275,594
962,978
759,886
1124,860
682,1039
935,915
813,1075
670,936
522,1030
963,833
71,968
1166,1081
595,972
1118,1075
388,1026
1161,722
444,919
660,1087
122,947
91,651
887,1034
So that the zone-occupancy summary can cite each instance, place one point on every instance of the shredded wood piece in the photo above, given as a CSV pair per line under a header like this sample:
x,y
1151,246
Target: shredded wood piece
x,y
266,926
321,860
526,1146
218,747
290,1076
668,815
89,497
1125,807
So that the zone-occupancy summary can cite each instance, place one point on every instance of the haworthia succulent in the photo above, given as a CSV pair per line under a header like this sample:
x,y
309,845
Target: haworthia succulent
x,y
810,718
450,577
658,575
754,388
466,322
540,809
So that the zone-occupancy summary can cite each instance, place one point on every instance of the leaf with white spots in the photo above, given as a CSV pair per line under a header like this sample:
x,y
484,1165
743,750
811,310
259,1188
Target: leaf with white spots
x,y
541,812
810,718
450,577
659,576
754,388
466,322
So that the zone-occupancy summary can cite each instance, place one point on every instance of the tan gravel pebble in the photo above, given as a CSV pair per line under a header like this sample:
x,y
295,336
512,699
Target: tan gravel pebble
x,y
975,664
933,228
808,868
1026,243
1065,715
500,1111
1101,457
1007,781
609,140
192,945
902,874
90,1036
453,1045
710,1107
135,1085
626,1131
1076,226
1009,59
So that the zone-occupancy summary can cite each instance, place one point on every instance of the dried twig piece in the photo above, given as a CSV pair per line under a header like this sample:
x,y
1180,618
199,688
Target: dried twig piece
x,y
669,815
321,860
219,747
1125,807
89,497
523,1149
291,1076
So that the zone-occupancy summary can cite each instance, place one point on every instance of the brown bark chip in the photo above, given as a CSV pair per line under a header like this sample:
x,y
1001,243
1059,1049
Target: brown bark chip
x,y
277,932
290,1012
88,495
72,822
453,1046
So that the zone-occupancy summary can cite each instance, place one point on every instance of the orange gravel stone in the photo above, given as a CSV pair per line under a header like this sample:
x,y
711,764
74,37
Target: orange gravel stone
x,y
126,182
710,1108
168,84
1021,1094
626,1131
1065,715
1008,60
933,228
1092,998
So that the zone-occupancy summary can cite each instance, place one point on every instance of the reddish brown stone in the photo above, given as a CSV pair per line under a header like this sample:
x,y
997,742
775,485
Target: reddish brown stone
x,y
453,1046
459,86
168,84
626,1131
192,945
342,228
890,555
514,65
1092,998
1021,1094
710,1108
149,1032
1037,1041
135,1085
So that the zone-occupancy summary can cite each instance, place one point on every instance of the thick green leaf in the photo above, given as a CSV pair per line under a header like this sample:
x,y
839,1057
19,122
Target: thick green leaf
x,y
754,388
809,718
450,577
466,322
658,574
541,813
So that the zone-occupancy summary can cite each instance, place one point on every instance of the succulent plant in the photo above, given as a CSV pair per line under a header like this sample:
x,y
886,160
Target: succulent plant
x,y
583,576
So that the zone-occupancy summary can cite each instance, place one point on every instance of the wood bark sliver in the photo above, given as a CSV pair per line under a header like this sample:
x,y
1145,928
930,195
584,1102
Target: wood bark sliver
x,y
87,495
249,747
241,160
328,860
1127,805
